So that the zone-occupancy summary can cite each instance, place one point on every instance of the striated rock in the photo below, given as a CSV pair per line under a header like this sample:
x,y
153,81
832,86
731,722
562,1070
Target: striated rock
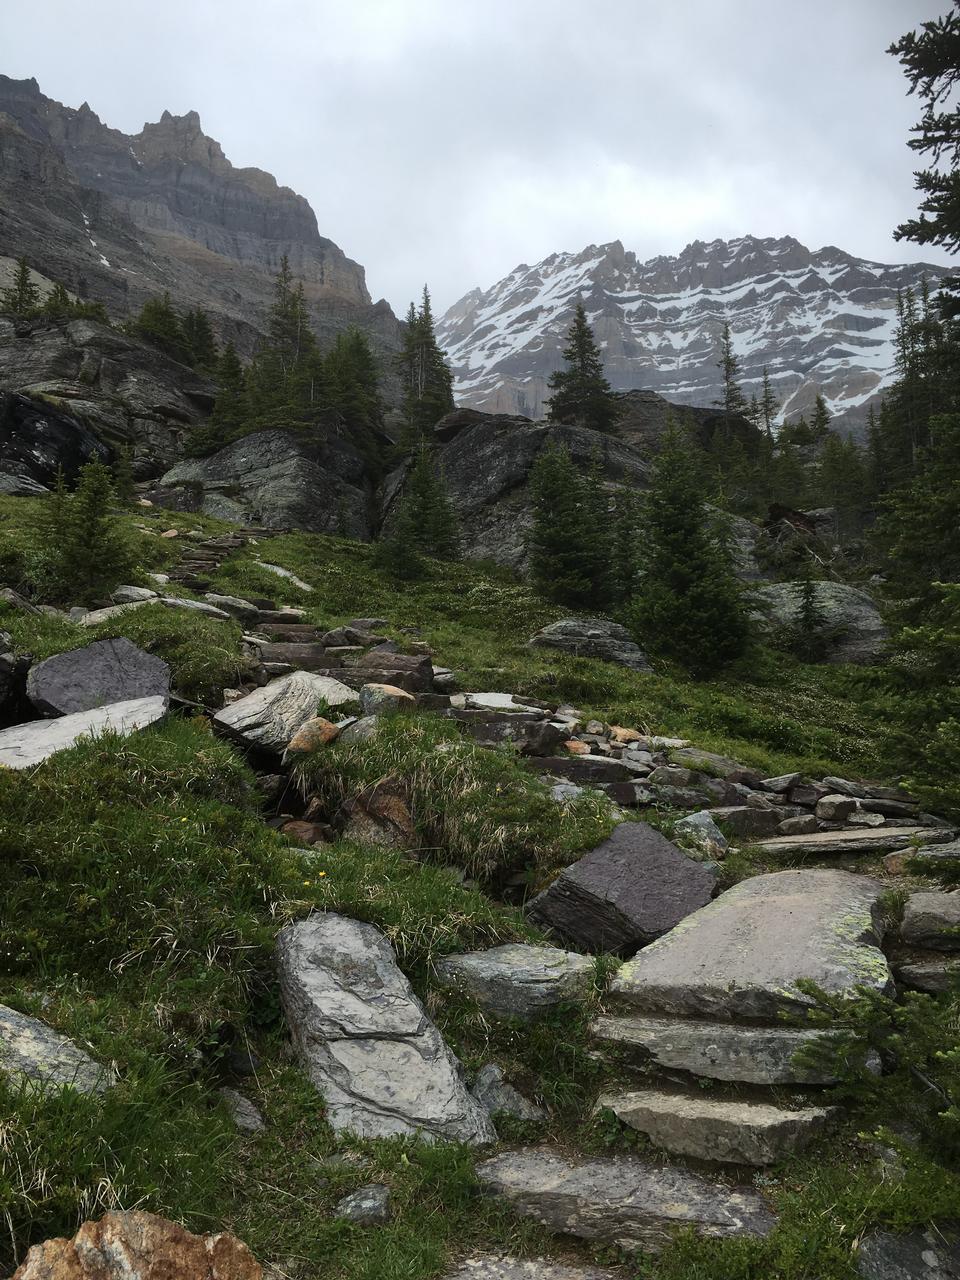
x,y
132,595
32,1051
708,1128
97,675
367,1207
271,716
743,954
632,888
504,1268
365,1039
593,638
517,980
26,745
498,1097
747,821
139,1246
720,1051
242,610
932,976
621,1202
375,699
932,919
94,617
855,842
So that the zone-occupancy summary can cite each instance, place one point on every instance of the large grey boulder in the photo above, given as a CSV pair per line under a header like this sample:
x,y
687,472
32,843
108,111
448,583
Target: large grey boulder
x,y
100,673
622,895
717,1050
365,1039
517,980
621,1202
724,1130
860,634
931,1253
26,745
269,717
33,1052
593,638
276,479
743,954
932,919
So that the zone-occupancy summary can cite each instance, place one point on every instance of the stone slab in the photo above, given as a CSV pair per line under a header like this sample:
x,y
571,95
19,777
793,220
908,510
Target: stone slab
x,y
517,980
269,717
856,842
743,954
506,1268
33,1052
26,745
932,919
97,675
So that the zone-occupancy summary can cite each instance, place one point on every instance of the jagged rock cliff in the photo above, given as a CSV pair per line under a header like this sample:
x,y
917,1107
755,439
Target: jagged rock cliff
x,y
119,217
820,320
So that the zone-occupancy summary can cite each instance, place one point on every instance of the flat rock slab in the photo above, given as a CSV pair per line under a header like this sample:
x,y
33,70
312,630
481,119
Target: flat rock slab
x,y
861,840
625,893
933,976
365,1040
586,770
517,980
930,1254
32,1051
97,675
526,1269
718,1050
271,716
932,919
96,616
743,954
621,1202
593,638
707,1128
26,745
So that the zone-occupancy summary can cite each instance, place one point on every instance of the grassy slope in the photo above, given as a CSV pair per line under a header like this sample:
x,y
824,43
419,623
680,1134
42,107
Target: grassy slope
x,y
140,894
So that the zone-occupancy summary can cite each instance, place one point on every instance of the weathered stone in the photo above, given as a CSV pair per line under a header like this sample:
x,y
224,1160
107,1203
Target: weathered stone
x,y
380,815
700,830
302,657
932,919
846,788
587,770
131,595
417,668
889,808
718,1050
859,818
517,980
807,793
245,1115
781,784
708,1128
856,841
498,1097
195,606
139,1246
303,833
632,888
931,1253
32,1051
375,699
804,825
527,731
360,730
237,607
279,571
504,1268
367,1207
709,762
743,954
856,630
933,976
946,855
746,820
835,808
271,716
97,675
366,1041
26,745
593,638
94,617
621,1202
493,702
318,732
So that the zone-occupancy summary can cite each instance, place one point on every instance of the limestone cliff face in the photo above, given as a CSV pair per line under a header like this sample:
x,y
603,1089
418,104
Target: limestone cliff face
x,y
131,215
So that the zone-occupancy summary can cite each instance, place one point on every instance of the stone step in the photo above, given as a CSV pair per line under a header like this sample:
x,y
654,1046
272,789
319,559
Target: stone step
x,y
621,1201
292,632
718,1050
303,657
741,956
858,840
718,1129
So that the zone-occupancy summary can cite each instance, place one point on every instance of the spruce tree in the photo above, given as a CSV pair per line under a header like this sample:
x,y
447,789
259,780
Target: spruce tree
x,y
732,400
571,537
427,502
200,341
625,545
809,634
689,605
581,394
159,324
124,487
397,553
769,405
425,378
820,422
23,296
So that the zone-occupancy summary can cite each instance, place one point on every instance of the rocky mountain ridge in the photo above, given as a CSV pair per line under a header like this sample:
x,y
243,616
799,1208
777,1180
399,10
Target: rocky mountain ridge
x,y
822,320
120,217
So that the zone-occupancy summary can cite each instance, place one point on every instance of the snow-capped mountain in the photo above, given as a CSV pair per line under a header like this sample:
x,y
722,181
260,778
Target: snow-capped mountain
x,y
817,321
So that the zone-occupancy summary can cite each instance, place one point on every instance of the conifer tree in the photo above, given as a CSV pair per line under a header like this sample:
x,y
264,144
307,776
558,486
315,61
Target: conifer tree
x,y
124,487
428,504
397,552
581,393
689,605
809,632
159,324
732,400
23,296
426,381
562,555
199,339
625,545
769,405
820,422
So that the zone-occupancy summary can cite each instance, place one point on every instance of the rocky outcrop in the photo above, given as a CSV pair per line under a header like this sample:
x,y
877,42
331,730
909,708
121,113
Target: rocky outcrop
x,y
121,393
104,672
139,1246
275,479
367,1043
593,638
820,321
26,745
36,441
854,630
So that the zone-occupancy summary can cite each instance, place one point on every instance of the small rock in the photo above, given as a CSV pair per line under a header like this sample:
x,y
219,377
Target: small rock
x,y
132,595
932,920
317,732
31,1051
376,699
243,1112
498,1097
781,784
170,533
307,833
800,826
238,608
846,788
517,980
593,638
863,818
700,830
931,1253
836,808
360,730
368,1207
746,820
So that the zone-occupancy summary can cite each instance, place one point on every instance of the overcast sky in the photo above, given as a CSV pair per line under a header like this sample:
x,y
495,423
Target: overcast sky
x,y
450,140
